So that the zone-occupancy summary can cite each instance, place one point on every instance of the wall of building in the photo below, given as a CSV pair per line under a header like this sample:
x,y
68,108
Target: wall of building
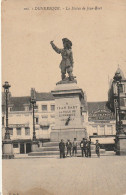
x,y
45,118
20,121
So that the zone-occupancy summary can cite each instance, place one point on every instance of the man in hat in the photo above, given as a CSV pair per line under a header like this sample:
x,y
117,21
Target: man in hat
x,y
67,58
68,146
89,148
62,149
85,147
74,147
82,146
97,144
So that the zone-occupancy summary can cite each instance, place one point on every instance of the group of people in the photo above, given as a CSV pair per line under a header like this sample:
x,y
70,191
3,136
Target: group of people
x,y
85,146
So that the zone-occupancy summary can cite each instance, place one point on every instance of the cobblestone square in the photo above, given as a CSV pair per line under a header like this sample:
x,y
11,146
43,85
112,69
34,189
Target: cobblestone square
x,y
74,176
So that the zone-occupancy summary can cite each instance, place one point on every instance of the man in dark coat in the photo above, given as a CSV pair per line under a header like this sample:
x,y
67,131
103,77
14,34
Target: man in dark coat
x,y
97,148
69,147
62,149
89,148
85,147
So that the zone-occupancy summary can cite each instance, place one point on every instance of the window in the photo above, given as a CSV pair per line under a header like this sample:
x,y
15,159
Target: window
x,y
36,107
11,131
52,116
124,101
121,87
102,130
125,88
44,107
11,109
94,130
15,145
27,131
44,127
44,116
26,108
2,120
95,134
18,130
109,130
37,120
81,111
26,114
52,107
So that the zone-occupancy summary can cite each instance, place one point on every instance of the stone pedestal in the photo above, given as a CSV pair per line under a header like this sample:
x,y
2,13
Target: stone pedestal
x,y
69,99
34,147
65,134
7,149
121,145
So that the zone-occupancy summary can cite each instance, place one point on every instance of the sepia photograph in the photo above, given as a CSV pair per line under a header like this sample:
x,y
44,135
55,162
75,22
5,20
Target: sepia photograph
x,y
63,96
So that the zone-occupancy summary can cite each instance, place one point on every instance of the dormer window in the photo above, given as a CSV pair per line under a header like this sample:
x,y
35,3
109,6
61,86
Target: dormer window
x,y
121,87
10,108
26,108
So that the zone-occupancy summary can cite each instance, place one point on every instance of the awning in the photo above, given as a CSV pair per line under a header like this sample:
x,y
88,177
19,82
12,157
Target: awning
x,y
104,140
44,123
18,125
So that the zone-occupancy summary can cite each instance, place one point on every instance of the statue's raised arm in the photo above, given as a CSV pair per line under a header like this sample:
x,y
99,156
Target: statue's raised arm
x,y
55,48
67,62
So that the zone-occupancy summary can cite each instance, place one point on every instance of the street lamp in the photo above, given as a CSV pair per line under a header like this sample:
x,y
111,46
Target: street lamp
x,y
117,78
33,101
7,143
6,87
34,141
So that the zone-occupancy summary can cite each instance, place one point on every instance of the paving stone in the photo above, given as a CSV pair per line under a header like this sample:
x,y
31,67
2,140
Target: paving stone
x,y
74,176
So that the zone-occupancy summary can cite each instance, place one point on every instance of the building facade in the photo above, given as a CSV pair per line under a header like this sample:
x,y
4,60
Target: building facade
x,y
99,118
20,116
113,97
101,124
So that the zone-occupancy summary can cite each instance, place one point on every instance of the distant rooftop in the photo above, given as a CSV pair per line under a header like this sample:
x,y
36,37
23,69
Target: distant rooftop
x,y
19,103
99,111
121,73
44,96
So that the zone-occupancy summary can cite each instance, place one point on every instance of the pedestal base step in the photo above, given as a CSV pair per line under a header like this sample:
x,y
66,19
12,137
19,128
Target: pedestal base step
x,y
7,156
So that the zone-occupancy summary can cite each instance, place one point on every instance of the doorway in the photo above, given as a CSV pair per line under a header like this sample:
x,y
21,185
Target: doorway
x,y
21,148
28,147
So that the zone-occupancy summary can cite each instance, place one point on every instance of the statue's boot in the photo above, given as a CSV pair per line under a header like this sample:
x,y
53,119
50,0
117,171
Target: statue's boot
x,y
63,76
71,77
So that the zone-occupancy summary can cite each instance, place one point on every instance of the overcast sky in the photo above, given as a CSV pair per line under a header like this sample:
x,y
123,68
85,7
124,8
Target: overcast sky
x,y
98,37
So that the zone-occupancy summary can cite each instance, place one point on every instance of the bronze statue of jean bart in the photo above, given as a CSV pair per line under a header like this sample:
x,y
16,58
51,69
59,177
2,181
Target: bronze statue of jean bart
x,y
66,64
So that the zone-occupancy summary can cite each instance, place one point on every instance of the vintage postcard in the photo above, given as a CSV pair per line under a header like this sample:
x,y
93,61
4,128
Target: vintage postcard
x,y
63,87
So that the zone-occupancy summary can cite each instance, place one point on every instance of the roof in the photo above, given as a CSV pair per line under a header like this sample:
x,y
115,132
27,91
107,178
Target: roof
x,y
44,96
93,106
18,103
121,73
99,111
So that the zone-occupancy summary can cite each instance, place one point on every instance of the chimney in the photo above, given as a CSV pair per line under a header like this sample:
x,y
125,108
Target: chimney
x,y
33,93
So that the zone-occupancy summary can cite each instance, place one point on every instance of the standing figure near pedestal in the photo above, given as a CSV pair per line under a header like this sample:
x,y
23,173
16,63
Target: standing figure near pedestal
x,y
68,146
97,148
82,146
67,58
85,146
89,148
62,149
75,147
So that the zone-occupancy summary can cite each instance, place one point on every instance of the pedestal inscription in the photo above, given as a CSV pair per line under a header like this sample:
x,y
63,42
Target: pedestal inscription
x,y
68,112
